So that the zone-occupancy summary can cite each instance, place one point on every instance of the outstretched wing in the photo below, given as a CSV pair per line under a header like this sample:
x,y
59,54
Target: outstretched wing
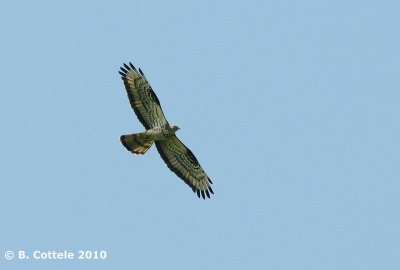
x,y
142,97
184,164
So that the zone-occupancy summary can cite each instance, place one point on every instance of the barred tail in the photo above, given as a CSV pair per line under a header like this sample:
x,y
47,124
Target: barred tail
x,y
136,143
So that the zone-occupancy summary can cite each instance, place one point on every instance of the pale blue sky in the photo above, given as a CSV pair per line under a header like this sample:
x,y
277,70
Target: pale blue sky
x,y
292,107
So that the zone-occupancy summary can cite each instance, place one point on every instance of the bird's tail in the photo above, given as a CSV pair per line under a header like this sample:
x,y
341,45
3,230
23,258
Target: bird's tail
x,y
137,143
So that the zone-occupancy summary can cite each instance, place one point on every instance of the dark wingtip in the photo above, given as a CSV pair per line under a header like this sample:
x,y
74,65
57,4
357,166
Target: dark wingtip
x,y
126,66
121,73
141,72
203,193
132,66
209,180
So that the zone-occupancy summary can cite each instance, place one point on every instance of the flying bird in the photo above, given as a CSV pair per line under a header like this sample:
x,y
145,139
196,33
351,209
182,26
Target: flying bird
x,y
175,154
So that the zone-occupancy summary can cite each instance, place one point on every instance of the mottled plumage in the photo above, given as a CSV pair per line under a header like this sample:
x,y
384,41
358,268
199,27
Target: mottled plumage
x,y
175,154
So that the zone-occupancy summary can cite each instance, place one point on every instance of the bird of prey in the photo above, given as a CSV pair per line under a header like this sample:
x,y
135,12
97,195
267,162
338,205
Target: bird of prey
x,y
175,154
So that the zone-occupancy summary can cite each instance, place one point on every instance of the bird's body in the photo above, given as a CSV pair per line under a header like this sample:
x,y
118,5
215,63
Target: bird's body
x,y
139,143
176,155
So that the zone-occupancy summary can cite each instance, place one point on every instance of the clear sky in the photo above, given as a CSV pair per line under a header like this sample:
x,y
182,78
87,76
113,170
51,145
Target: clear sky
x,y
292,108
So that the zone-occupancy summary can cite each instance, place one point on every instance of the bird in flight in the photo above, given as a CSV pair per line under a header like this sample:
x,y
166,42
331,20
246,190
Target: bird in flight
x,y
175,154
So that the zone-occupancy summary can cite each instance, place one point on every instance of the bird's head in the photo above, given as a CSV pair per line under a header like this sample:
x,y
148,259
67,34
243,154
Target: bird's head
x,y
174,128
